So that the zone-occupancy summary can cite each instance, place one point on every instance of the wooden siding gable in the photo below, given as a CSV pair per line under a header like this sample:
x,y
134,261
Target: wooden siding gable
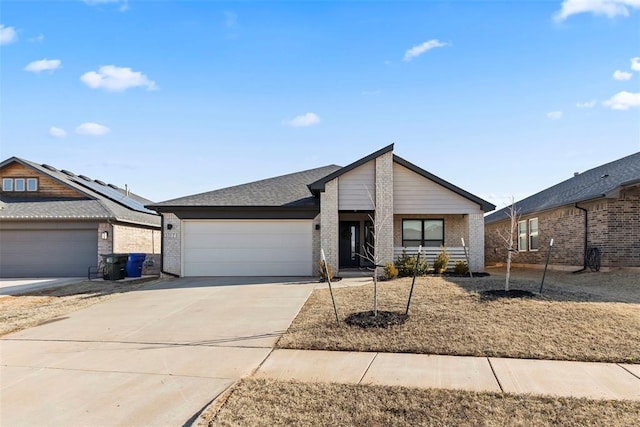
x,y
47,186
357,188
415,194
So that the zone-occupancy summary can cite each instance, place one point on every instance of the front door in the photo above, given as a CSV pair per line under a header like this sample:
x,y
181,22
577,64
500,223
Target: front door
x,y
349,244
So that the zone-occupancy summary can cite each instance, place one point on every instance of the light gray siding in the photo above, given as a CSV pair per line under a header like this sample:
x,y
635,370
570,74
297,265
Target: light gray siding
x,y
415,194
357,188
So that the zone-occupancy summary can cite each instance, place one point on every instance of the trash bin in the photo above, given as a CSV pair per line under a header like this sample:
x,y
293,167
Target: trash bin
x,y
114,266
134,265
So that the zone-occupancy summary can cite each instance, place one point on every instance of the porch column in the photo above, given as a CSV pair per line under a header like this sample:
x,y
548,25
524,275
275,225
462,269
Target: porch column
x,y
384,207
475,224
329,223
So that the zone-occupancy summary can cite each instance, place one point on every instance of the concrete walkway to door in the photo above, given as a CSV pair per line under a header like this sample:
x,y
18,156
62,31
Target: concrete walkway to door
x,y
151,357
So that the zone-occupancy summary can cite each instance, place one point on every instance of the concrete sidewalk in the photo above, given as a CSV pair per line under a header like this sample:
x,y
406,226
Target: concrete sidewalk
x,y
544,377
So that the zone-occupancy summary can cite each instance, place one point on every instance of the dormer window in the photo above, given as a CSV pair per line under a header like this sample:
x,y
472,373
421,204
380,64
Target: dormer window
x,y
19,184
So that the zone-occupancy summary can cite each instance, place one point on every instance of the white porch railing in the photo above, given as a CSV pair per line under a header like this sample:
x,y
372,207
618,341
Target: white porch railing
x,y
456,253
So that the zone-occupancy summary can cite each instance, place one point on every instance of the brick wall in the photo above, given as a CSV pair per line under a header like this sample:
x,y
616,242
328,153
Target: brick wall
x,y
384,207
475,241
105,246
128,239
614,228
316,245
172,248
329,223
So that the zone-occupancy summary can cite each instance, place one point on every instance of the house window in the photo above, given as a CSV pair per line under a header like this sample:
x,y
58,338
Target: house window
x,y
533,234
425,232
522,236
32,184
7,184
19,184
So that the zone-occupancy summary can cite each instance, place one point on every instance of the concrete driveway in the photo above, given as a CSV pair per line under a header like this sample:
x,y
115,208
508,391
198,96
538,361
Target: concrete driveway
x,y
18,286
151,357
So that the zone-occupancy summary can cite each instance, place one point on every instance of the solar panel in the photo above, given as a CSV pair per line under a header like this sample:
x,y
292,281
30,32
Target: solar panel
x,y
115,195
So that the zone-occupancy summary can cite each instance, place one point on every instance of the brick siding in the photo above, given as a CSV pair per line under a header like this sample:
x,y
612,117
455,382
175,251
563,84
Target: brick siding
x,y
384,207
329,223
171,250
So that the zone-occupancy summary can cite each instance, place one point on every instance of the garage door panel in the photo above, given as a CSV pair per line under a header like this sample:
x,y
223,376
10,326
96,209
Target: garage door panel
x,y
247,248
42,253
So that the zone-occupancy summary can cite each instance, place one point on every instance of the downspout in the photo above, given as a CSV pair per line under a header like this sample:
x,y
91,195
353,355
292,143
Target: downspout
x,y
162,248
586,228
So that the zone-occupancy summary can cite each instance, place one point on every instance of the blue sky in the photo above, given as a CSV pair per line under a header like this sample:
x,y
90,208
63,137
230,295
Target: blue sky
x,y
175,98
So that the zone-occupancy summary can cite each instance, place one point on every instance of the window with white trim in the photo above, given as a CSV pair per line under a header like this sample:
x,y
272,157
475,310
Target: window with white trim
x,y
533,234
19,184
7,184
522,236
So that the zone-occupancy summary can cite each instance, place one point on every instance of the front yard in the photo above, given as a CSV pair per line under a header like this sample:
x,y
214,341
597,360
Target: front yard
x,y
449,316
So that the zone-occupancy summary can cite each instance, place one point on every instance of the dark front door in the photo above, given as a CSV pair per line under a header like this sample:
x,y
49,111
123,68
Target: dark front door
x,y
349,243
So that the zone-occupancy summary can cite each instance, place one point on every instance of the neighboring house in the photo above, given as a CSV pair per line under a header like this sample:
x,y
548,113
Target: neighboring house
x,y
55,223
277,226
598,209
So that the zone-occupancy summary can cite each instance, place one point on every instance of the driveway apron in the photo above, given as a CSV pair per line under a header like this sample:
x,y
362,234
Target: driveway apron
x,y
151,357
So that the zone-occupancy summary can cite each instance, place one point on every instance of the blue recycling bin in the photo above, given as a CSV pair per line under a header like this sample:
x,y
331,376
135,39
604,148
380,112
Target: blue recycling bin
x,y
134,265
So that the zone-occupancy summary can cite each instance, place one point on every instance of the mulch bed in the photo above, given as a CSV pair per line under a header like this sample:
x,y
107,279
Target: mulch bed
x,y
384,319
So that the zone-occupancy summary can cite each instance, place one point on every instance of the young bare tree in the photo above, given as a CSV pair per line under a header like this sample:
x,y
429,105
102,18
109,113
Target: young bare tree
x,y
370,250
507,235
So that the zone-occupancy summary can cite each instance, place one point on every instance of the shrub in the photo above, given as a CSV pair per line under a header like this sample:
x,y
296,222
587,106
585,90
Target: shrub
x,y
441,262
461,268
390,271
406,264
323,273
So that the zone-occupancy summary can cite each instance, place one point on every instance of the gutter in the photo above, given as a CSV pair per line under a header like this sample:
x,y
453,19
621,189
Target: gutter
x,y
586,229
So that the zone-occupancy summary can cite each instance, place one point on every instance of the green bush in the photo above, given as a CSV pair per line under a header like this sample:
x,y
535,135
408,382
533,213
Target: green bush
x,y
406,264
390,271
323,273
461,268
441,262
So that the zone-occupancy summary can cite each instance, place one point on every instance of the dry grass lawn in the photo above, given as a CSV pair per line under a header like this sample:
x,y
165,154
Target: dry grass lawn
x,y
448,316
34,308
270,402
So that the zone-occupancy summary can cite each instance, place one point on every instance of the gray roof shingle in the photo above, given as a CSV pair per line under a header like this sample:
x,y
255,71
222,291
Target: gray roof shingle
x,y
282,191
592,184
114,204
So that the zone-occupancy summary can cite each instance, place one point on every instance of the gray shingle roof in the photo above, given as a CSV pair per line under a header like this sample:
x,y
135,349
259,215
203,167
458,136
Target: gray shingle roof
x,y
282,191
112,205
592,184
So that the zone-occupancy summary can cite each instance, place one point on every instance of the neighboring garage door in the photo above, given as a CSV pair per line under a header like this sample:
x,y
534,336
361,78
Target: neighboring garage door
x,y
47,253
247,248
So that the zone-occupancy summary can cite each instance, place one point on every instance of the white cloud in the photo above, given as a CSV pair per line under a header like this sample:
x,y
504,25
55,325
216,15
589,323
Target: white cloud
x,y
91,128
587,104
37,39
43,65
7,35
554,115
610,8
422,48
622,75
635,63
124,4
115,79
303,120
230,19
623,101
57,132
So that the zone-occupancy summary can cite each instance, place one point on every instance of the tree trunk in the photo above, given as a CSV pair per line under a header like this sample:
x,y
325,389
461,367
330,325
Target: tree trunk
x,y
375,291
506,282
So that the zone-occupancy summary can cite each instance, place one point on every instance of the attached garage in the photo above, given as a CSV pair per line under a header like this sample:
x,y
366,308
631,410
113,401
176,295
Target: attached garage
x,y
47,252
247,248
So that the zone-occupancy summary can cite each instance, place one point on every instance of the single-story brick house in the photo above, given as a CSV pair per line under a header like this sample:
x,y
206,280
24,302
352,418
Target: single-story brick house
x,y
277,226
594,211
54,223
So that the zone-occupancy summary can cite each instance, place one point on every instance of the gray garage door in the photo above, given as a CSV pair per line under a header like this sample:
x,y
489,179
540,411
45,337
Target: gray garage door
x,y
47,253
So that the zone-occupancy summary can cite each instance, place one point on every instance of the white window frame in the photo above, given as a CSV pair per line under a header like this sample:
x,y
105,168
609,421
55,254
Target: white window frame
x,y
20,181
34,181
522,237
533,234
7,184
